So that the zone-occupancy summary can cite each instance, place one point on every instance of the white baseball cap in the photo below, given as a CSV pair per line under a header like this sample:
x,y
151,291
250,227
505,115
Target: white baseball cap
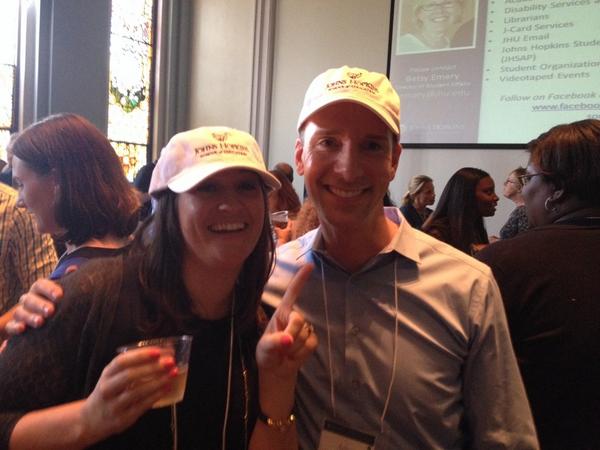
x,y
192,156
352,84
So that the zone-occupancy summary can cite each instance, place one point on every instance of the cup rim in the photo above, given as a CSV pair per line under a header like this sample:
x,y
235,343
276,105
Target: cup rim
x,y
153,341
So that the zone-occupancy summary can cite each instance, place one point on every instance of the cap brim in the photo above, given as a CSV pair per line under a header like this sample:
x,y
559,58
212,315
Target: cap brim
x,y
372,106
196,174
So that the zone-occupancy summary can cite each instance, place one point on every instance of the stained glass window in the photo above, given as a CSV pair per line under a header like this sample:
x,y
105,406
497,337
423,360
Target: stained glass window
x,y
9,38
129,104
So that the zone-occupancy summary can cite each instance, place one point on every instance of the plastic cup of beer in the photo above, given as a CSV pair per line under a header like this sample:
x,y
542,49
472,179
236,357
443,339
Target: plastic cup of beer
x,y
179,348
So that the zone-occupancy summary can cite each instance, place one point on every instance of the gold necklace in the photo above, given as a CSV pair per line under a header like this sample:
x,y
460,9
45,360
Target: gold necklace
x,y
245,395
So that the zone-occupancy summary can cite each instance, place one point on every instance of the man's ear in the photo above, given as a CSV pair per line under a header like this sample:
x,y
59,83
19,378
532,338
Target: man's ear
x,y
298,150
396,152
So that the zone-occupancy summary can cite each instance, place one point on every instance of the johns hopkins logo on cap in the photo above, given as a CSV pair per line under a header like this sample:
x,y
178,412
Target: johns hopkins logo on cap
x,y
192,156
221,137
352,82
372,90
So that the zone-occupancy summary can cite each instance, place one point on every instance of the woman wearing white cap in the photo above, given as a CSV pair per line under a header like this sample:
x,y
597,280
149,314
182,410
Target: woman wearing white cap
x,y
198,268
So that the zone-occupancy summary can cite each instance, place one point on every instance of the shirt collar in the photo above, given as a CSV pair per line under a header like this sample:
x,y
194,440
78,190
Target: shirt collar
x,y
403,241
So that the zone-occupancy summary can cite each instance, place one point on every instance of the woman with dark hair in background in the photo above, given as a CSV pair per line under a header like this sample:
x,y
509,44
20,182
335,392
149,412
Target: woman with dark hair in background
x,y
286,170
467,198
549,283
198,267
517,221
142,183
285,198
419,195
70,179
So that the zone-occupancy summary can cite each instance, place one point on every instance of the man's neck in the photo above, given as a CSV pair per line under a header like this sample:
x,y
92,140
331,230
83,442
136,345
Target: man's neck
x,y
352,248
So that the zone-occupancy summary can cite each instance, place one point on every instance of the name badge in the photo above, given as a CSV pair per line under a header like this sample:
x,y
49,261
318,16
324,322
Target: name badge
x,y
339,437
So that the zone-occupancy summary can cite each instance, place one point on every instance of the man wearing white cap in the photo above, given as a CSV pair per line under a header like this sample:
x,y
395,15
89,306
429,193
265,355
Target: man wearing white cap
x,y
414,348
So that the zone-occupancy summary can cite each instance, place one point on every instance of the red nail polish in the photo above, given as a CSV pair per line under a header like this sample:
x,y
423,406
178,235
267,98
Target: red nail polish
x,y
169,364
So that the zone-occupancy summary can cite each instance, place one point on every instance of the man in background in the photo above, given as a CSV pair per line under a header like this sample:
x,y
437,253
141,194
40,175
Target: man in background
x,y
6,172
25,255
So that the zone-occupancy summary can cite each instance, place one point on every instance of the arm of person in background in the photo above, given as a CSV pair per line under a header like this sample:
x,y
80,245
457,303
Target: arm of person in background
x,y
34,307
286,343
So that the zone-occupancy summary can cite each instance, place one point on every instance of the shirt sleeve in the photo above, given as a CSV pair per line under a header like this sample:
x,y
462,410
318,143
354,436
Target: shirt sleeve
x,y
41,368
33,255
496,404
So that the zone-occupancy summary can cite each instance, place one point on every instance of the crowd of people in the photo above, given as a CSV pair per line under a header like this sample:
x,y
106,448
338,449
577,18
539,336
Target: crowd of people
x,y
365,326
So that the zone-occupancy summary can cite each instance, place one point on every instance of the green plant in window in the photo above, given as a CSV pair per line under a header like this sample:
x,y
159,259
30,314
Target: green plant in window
x,y
130,99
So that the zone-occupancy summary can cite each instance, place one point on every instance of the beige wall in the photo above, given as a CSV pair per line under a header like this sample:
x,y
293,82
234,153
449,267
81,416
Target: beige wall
x,y
221,52
313,35
310,36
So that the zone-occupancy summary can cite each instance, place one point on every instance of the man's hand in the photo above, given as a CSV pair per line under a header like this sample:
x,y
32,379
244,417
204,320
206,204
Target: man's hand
x,y
34,306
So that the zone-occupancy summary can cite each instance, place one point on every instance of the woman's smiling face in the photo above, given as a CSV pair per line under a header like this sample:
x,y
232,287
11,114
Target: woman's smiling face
x,y
439,15
222,218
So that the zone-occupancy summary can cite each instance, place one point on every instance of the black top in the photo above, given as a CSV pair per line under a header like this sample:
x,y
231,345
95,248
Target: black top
x,y
103,309
414,218
548,277
440,229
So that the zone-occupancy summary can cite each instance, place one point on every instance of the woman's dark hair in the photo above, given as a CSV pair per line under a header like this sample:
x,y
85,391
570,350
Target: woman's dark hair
x,y
306,220
95,199
287,198
387,199
569,157
457,208
162,244
286,170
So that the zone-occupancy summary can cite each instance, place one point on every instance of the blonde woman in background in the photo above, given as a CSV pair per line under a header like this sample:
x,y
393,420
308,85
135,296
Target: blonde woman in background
x,y
420,194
